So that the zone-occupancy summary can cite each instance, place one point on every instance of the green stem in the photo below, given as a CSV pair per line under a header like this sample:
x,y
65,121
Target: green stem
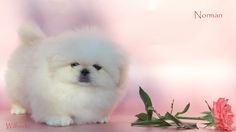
x,y
191,118
151,122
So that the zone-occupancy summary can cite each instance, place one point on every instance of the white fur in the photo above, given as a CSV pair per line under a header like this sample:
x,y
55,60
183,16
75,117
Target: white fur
x,y
41,81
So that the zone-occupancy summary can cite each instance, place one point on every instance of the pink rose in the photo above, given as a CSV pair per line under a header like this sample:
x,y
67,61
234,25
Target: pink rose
x,y
223,115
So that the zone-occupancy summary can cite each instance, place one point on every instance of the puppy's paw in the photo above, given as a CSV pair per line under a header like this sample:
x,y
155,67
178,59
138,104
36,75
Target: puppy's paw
x,y
102,121
17,109
59,121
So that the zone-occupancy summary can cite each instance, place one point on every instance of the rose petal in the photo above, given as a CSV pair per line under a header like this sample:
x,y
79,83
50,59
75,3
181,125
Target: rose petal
x,y
223,115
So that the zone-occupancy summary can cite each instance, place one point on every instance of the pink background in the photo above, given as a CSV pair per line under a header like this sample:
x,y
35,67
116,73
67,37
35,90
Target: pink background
x,y
172,55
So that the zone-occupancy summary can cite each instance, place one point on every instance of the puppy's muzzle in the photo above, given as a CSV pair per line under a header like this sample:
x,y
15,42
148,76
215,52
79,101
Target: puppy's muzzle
x,y
84,76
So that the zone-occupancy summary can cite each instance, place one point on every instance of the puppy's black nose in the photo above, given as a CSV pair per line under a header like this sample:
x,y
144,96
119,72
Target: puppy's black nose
x,y
84,72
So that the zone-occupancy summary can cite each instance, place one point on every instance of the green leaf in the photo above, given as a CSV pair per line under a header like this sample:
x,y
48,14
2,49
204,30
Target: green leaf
x,y
168,116
184,111
147,102
180,124
190,126
209,107
145,97
141,116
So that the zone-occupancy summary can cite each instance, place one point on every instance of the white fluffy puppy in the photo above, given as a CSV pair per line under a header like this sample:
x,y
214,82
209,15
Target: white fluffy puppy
x,y
75,77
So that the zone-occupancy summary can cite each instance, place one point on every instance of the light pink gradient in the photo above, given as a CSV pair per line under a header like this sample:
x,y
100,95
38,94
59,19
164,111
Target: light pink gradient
x,y
173,55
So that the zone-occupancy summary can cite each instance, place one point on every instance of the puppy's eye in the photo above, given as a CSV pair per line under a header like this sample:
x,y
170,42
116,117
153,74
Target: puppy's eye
x,y
96,66
74,64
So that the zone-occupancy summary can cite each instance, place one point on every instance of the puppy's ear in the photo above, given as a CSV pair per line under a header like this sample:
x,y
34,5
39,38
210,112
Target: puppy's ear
x,y
29,33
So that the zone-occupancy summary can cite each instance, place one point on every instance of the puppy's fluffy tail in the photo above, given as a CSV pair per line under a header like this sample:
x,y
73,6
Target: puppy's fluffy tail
x,y
30,33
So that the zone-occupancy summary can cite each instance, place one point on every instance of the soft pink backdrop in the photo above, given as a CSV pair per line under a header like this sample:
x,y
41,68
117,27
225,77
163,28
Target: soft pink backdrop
x,y
172,55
